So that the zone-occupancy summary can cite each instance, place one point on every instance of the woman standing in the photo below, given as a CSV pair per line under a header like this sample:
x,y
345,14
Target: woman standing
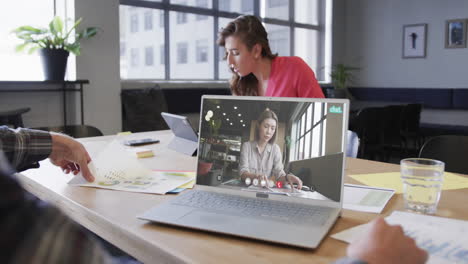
x,y
256,70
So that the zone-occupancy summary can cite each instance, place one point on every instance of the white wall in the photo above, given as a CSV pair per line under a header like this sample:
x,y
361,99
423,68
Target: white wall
x,y
99,62
373,41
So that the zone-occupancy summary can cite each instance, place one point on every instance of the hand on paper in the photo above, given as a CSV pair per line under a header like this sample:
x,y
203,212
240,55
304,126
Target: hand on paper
x,y
70,155
384,243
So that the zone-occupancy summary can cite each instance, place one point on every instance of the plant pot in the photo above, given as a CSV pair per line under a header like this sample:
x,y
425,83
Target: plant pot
x,y
54,62
204,167
336,93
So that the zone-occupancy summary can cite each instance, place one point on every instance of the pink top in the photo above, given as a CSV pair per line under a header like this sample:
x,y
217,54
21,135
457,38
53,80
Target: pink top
x,y
292,77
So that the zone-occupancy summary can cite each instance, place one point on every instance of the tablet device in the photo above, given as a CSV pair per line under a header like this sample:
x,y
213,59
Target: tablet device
x,y
186,139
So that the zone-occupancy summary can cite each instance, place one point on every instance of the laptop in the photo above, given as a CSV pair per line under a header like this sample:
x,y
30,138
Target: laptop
x,y
185,138
309,143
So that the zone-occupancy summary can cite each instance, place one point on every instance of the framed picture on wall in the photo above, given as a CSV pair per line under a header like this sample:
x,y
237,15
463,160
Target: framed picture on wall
x,y
455,33
414,41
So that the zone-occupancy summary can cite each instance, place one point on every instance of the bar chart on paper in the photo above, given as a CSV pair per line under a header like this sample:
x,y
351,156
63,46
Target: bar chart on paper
x,y
446,240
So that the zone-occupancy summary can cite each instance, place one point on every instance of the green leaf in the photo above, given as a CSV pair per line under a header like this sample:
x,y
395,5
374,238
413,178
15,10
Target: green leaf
x,y
74,48
21,47
56,26
89,32
53,37
72,28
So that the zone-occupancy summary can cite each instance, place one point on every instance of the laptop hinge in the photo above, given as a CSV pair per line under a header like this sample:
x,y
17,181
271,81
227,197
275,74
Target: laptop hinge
x,y
262,195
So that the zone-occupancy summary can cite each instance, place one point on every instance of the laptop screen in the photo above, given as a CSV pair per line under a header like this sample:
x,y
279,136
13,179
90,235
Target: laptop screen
x,y
280,146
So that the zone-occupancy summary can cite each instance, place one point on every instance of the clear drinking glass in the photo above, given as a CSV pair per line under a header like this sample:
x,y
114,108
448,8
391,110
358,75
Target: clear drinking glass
x,y
422,184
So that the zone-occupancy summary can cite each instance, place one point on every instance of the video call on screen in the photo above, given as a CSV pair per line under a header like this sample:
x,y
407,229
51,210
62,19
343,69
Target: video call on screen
x,y
309,136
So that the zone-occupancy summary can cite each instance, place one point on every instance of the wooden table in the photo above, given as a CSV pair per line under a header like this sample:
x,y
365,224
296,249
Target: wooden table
x,y
111,215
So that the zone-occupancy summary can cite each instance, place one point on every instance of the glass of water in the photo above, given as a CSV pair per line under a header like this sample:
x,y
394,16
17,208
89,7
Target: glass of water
x,y
422,184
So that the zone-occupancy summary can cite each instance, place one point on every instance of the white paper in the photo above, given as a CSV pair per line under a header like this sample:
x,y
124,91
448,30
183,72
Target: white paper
x,y
446,240
365,198
117,169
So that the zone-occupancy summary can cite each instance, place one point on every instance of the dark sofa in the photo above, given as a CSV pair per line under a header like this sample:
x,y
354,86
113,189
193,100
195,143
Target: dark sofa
x,y
142,107
445,110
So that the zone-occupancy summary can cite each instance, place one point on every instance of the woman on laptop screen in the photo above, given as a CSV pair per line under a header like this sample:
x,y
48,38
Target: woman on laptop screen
x,y
261,160
256,70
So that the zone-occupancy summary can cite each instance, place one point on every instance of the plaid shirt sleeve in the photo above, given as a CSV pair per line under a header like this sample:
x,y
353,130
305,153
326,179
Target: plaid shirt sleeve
x,y
25,147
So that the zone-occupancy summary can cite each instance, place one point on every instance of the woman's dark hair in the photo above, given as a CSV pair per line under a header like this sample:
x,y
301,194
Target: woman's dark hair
x,y
265,115
250,31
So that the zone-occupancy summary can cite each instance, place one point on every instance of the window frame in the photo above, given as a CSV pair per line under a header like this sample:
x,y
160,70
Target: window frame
x,y
214,12
301,131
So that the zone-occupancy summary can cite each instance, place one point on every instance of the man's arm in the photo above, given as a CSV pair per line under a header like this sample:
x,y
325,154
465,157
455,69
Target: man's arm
x,y
382,244
25,147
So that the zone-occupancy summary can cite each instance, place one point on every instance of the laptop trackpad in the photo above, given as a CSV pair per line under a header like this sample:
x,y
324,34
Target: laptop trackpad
x,y
202,218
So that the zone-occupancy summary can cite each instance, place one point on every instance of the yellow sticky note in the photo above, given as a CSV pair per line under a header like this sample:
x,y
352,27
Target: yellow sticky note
x,y
392,180
124,133
188,185
145,154
187,174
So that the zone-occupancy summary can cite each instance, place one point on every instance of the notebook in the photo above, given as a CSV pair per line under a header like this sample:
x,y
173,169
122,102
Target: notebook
x,y
306,139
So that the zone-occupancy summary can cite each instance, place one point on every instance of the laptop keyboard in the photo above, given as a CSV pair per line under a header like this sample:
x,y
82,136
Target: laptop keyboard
x,y
255,207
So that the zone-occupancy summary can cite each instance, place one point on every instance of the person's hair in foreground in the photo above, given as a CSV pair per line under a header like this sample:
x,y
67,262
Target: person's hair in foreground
x,y
267,113
251,31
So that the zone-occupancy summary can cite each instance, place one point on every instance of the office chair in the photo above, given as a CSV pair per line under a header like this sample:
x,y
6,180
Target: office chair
x,y
451,149
368,124
352,146
409,132
13,118
76,131
141,109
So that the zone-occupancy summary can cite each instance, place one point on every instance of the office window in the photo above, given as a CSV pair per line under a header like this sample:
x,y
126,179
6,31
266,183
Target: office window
x,y
277,3
279,39
162,57
202,50
307,131
224,5
141,64
247,6
307,11
161,18
190,33
134,57
149,56
148,20
302,33
307,47
134,23
204,4
224,71
278,9
22,66
194,3
182,52
181,18
122,49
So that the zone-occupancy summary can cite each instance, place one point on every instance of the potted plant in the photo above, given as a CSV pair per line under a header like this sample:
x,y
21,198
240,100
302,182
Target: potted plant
x,y
54,44
341,76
